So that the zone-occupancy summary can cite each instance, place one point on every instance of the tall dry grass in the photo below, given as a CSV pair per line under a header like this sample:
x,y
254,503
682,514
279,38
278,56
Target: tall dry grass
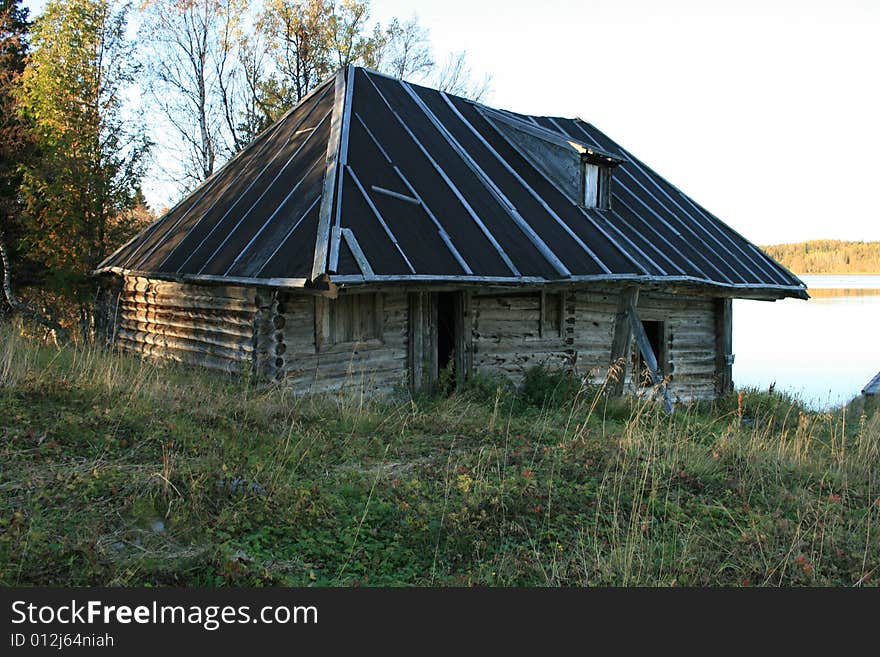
x,y
485,486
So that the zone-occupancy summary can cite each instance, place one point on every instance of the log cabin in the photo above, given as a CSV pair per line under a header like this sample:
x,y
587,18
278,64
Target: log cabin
x,y
382,234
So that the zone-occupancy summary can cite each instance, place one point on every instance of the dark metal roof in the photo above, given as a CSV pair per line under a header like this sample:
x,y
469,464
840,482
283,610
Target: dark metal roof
x,y
374,179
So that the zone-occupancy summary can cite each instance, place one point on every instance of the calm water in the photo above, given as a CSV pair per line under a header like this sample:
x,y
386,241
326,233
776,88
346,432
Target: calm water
x,y
825,350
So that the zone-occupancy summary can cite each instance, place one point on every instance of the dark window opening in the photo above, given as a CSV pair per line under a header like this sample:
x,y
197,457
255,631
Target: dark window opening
x,y
446,340
656,332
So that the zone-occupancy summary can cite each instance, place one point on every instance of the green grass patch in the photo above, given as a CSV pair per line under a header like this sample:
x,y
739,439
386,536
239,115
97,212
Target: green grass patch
x,y
119,471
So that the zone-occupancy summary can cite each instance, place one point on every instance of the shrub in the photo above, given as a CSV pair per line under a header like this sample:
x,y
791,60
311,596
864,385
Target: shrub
x,y
544,387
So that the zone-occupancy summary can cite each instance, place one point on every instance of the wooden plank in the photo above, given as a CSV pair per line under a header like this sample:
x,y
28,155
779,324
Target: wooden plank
x,y
542,313
621,338
322,323
358,253
163,342
430,342
397,195
331,171
223,320
724,346
343,161
191,357
644,344
463,337
219,331
415,341
190,303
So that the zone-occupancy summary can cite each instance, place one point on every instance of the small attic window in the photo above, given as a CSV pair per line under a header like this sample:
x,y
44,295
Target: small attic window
x,y
596,186
576,168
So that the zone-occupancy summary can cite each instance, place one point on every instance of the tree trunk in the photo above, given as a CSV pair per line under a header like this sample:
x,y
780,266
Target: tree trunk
x,y
16,306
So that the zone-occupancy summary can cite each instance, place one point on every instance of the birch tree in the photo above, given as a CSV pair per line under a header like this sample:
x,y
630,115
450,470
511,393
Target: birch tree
x,y
190,53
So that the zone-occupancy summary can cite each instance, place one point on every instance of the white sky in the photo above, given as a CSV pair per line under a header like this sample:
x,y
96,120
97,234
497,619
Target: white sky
x,y
765,111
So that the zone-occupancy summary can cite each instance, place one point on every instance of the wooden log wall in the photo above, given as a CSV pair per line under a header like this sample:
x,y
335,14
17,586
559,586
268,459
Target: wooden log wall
x,y
373,366
237,327
507,335
507,339
211,326
691,343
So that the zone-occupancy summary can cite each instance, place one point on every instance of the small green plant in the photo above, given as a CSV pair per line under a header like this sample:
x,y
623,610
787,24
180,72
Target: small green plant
x,y
483,387
545,387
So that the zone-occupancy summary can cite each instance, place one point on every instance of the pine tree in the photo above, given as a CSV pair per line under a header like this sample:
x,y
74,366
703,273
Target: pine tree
x,y
16,145
92,148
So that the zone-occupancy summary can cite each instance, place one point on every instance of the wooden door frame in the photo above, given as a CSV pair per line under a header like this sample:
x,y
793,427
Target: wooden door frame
x,y
422,324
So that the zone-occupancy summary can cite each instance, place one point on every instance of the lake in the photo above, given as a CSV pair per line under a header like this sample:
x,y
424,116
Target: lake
x,y
824,350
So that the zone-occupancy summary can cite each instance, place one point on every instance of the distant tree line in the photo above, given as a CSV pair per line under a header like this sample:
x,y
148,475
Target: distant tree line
x,y
828,257
89,105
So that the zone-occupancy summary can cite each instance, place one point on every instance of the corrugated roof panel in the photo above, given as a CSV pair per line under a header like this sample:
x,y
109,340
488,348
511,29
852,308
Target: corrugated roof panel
x,y
301,166
408,221
683,243
426,184
588,229
347,264
288,212
218,192
226,225
726,246
291,258
525,256
515,188
644,187
382,254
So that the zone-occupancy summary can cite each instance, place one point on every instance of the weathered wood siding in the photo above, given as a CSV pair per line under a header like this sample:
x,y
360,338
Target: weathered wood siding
x,y
690,333
507,339
374,366
236,327
211,326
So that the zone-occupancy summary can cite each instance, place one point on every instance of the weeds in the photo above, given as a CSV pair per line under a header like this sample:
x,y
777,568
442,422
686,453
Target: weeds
x,y
119,471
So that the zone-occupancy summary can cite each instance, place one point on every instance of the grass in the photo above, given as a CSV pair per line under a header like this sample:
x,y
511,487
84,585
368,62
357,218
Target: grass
x,y
118,471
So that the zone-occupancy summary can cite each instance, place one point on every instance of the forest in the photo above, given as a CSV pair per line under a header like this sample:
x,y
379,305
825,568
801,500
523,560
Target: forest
x,y
828,257
99,98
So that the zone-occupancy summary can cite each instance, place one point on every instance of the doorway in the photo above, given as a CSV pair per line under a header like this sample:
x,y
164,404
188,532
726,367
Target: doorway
x,y
438,339
447,339
656,334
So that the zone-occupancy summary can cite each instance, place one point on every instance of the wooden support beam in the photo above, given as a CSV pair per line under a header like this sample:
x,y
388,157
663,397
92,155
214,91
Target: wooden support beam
x,y
463,338
432,370
422,339
358,253
543,314
322,323
629,296
648,354
723,346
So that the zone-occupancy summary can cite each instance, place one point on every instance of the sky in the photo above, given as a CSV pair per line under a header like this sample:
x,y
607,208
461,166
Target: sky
x,y
767,112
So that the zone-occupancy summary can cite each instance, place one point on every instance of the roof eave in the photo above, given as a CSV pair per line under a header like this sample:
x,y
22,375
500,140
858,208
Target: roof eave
x,y
765,292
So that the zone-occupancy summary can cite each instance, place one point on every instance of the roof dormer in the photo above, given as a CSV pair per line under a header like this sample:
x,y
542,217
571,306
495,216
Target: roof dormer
x,y
581,172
